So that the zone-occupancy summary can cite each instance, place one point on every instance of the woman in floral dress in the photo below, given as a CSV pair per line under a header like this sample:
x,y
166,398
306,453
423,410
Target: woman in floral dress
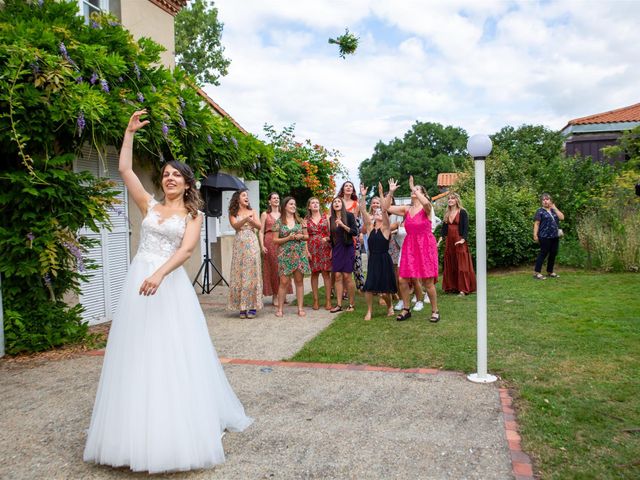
x,y
245,286
319,246
270,277
292,255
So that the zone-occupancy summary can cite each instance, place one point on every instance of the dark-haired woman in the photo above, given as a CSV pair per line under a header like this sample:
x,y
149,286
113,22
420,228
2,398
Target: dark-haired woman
x,y
163,401
245,283
546,233
270,276
292,255
458,276
348,194
343,228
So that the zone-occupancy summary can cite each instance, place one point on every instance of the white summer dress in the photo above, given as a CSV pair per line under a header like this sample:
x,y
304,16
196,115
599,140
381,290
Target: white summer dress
x,y
163,400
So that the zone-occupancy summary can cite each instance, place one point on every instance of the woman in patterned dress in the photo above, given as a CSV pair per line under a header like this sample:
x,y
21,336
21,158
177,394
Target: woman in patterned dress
x,y
292,254
319,246
270,277
245,286
348,194
419,256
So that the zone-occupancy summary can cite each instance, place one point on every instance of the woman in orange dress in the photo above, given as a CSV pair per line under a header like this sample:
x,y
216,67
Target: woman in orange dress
x,y
459,276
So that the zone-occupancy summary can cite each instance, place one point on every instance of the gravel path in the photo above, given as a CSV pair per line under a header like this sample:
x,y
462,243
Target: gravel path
x,y
309,422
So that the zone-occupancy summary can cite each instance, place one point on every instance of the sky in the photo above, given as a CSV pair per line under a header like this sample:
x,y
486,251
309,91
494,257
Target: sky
x,y
476,64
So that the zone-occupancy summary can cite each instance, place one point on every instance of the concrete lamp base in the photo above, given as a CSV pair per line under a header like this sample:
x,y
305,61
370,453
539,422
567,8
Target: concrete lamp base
x,y
477,378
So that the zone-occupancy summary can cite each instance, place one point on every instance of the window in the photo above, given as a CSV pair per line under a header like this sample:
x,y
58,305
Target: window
x,y
87,7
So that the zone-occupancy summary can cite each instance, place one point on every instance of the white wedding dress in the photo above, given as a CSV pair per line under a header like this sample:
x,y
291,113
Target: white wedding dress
x,y
163,401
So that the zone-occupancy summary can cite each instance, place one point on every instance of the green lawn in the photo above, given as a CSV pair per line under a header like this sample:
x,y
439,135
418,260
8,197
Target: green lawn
x,y
568,348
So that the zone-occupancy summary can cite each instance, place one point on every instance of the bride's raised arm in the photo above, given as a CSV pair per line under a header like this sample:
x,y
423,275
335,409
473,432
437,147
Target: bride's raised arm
x,y
125,166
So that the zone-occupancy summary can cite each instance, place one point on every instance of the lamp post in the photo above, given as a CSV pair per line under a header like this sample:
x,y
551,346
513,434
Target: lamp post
x,y
479,147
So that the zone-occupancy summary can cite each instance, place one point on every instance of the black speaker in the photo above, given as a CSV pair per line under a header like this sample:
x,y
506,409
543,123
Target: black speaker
x,y
212,202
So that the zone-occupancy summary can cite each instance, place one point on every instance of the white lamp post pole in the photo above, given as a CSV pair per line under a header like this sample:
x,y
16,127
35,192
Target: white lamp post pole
x,y
479,146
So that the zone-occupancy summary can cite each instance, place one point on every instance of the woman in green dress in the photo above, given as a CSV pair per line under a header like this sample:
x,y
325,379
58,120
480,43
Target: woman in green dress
x,y
292,253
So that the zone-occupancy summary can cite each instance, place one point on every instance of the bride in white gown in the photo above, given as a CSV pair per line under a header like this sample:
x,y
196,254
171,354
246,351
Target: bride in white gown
x,y
163,401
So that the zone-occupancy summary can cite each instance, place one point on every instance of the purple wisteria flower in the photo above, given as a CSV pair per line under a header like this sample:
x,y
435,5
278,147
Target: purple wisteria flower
x,y
234,141
40,3
94,78
79,79
65,54
35,67
121,80
209,139
136,69
182,123
81,123
181,100
30,236
113,24
140,97
224,139
165,130
94,24
47,279
74,250
105,86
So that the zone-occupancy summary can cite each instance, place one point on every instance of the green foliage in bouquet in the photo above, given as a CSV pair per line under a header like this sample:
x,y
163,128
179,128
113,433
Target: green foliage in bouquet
x,y
347,43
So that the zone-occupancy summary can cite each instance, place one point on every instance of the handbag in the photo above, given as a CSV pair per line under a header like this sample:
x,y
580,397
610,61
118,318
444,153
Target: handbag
x,y
560,233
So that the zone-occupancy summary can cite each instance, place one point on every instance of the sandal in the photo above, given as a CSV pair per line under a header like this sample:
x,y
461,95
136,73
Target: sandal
x,y
539,276
350,308
404,316
336,309
251,314
243,314
553,275
435,317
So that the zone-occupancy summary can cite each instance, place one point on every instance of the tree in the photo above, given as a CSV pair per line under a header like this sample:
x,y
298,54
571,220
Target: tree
x,y
425,151
63,85
199,50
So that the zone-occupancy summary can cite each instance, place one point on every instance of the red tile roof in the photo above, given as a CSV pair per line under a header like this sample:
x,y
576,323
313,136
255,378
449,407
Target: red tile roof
x,y
447,179
625,114
220,110
170,6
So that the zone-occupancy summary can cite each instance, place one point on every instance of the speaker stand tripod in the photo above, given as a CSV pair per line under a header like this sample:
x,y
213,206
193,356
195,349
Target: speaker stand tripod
x,y
206,285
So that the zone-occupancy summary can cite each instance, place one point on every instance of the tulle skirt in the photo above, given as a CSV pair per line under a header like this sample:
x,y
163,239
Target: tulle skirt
x,y
163,400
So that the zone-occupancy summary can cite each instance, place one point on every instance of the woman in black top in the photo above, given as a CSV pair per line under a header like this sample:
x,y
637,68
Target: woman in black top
x,y
545,232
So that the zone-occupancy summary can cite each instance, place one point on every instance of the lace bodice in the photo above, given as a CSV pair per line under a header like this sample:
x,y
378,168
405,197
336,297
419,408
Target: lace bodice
x,y
158,237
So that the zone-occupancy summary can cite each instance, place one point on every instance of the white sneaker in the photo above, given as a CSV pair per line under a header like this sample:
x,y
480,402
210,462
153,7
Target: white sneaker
x,y
414,299
399,305
426,299
418,306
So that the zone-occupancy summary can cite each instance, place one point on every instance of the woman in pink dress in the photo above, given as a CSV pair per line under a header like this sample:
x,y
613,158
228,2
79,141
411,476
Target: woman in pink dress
x,y
270,277
319,245
419,258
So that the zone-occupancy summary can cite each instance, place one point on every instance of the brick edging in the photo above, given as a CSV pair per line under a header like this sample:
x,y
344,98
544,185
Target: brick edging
x,y
520,461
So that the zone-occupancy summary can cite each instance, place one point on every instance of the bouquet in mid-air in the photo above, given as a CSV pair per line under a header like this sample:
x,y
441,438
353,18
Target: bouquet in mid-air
x,y
347,42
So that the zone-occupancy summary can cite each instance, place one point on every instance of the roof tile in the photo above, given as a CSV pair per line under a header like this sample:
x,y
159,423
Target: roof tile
x,y
625,114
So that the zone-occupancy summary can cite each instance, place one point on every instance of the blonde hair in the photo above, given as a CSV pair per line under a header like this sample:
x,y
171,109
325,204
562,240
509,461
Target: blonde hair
x,y
447,212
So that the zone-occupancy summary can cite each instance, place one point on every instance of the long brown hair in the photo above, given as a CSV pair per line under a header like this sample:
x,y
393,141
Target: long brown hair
x,y
343,214
283,212
269,209
191,197
353,193
321,210
234,203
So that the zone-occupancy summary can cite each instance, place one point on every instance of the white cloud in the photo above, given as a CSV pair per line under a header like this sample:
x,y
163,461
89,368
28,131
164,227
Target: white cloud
x,y
477,65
